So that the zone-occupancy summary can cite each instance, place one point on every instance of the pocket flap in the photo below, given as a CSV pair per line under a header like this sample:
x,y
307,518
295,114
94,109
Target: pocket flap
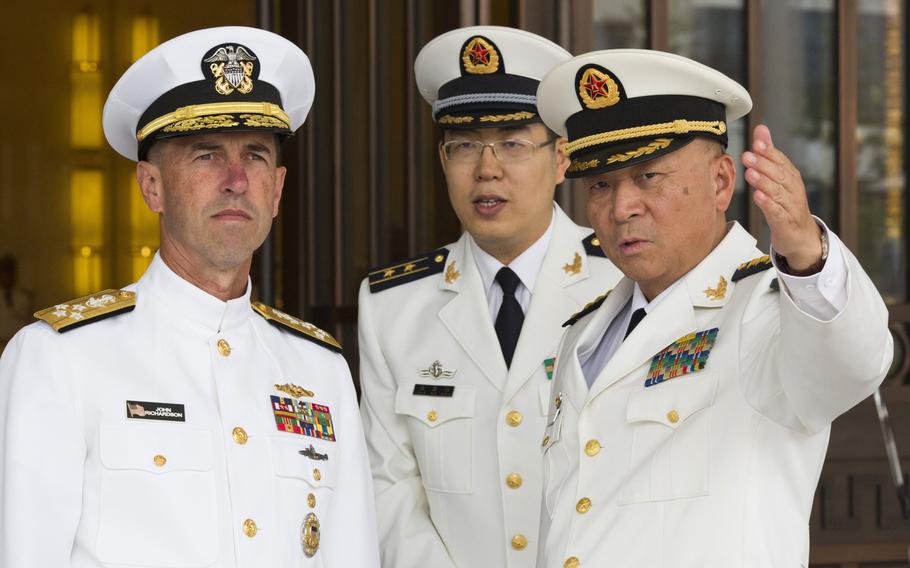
x,y
287,460
156,450
672,402
436,410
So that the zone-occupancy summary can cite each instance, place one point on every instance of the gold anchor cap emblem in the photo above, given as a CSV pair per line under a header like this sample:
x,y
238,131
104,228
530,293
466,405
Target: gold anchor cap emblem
x,y
437,371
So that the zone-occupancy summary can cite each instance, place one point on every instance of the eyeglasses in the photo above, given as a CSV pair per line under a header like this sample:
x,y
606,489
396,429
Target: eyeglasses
x,y
506,151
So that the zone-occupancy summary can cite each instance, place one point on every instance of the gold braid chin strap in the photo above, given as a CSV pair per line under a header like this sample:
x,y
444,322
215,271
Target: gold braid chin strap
x,y
681,126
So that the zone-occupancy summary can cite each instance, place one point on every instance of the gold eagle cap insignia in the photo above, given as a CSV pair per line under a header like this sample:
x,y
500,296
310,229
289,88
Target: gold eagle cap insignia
x,y
231,66
574,267
719,292
294,390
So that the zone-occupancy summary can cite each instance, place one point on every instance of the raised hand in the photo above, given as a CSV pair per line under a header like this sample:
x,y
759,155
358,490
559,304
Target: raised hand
x,y
781,195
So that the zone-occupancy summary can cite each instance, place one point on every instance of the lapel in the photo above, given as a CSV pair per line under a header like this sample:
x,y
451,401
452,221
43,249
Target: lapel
x,y
707,286
556,297
583,336
467,316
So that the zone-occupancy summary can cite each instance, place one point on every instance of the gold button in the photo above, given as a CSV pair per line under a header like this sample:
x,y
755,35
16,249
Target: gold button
x,y
592,448
583,505
546,439
571,562
513,480
239,435
249,528
673,417
160,460
519,541
513,418
432,415
224,347
311,500
558,400
317,475
439,258
595,241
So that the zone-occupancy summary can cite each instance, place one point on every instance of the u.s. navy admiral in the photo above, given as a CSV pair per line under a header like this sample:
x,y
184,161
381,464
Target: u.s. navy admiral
x,y
174,422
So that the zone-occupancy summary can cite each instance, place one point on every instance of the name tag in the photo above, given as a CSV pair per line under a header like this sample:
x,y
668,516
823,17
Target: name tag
x,y
142,410
434,390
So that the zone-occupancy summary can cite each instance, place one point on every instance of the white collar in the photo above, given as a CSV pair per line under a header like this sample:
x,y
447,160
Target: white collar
x,y
187,301
639,300
526,265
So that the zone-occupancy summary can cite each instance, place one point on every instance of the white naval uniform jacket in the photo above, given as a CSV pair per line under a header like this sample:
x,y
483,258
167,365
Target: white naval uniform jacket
x,y
440,464
84,486
715,468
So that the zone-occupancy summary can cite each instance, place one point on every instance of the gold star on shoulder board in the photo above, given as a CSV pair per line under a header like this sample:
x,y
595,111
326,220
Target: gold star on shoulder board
x,y
574,267
409,267
719,292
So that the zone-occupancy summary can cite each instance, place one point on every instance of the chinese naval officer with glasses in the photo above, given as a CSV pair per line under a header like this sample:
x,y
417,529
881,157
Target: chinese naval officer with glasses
x,y
175,423
457,344
692,404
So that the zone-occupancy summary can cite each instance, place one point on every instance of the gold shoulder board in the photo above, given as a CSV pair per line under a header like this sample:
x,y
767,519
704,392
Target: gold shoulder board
x,y
88,309
304,329
751,267
589,307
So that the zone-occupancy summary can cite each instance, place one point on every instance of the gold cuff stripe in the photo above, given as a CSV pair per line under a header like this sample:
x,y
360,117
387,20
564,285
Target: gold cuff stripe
x,y
209,109
675,127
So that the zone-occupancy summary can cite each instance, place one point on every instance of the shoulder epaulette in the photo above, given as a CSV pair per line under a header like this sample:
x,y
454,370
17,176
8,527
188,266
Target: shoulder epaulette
x,y
751,267
592,246
409,270
88,309
304,329
589,307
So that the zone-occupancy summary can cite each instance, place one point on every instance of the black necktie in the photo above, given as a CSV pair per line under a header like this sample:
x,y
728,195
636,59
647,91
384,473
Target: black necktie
x,y
637,316
510,316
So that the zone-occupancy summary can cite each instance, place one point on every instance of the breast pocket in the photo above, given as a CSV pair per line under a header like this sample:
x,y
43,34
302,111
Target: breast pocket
x,y
305,464
441,432
158,505
671,440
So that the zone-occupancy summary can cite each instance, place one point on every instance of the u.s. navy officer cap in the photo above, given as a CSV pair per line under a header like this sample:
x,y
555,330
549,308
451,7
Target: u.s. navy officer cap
x,y
485,76
620,107
211,80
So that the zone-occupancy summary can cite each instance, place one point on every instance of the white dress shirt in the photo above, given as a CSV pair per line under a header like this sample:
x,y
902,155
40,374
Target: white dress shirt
x,y
526,266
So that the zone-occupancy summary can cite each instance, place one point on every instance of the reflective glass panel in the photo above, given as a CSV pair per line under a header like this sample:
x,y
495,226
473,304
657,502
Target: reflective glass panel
x,y
880,145
712,32
619,24
798,93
